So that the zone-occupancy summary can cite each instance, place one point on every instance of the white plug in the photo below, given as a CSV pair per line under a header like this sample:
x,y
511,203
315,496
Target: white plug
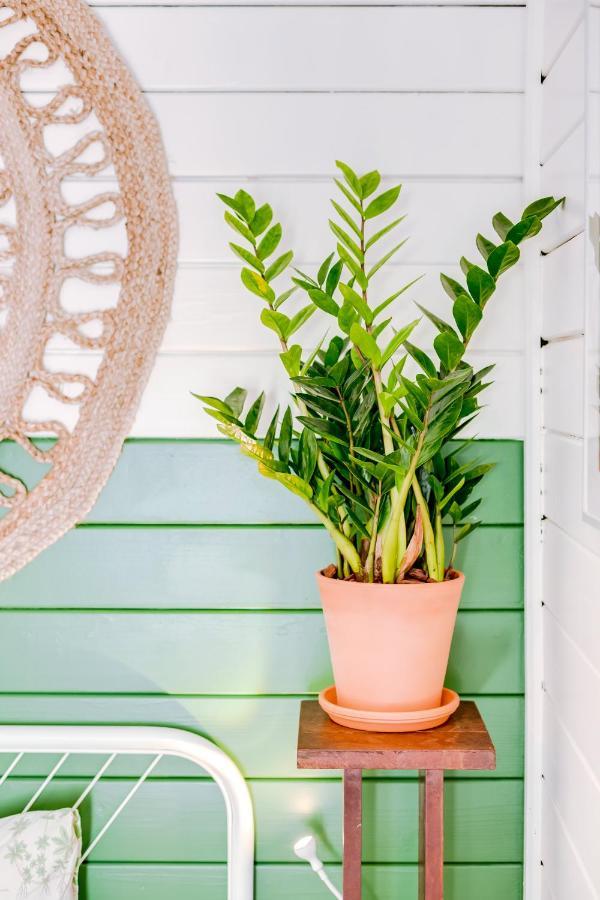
x,y
306,848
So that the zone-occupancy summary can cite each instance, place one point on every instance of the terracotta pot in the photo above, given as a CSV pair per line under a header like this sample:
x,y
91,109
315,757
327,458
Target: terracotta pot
x,y
390,643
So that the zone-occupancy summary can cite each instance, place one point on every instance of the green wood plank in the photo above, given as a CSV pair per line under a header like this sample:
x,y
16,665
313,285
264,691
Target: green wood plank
x,y
259,733
139,882
221,653
191,568
184,821
211,481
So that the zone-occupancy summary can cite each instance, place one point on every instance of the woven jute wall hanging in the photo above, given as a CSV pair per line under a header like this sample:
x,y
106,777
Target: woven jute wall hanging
x,y
80,161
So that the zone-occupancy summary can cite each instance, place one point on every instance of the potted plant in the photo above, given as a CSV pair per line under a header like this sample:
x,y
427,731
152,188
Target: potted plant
x,y
371,440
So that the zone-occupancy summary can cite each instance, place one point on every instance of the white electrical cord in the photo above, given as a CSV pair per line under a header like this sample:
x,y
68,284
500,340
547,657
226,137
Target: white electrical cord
x,y
306,848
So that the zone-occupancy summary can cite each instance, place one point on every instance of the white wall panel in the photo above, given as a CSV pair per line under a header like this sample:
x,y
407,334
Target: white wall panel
x,y
563,284
564,94
561,18
563,386
321,48
563,876
562,175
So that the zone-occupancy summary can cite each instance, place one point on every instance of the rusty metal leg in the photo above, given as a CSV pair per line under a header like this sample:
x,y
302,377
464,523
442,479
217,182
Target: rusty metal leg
x,y
352,833
431,835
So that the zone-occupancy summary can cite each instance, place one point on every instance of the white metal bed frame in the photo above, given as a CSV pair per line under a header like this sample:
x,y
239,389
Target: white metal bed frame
x,y
159,742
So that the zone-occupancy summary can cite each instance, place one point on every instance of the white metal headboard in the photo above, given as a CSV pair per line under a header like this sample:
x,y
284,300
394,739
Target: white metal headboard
x,y
159,742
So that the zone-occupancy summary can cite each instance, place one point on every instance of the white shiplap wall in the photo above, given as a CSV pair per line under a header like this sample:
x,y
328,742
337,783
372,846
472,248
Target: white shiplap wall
x,y
266,96
571,552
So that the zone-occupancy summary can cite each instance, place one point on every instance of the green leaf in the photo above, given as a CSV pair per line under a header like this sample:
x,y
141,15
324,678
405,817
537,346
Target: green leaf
x,y
379,309
323,492
360,305
271,431
239,226
283,297
422,359
235,401
262,219
353,266
324,269
270,242
452,287
382,203
323,301
292,359
481,284
466,265
542,207
257,285
526,228
349,196
365,343
385,258
449,349
345,238
231,202
399,338
503,257
467,315
333,278
350,176
285,436
346,217
299,319
383,231
248,257
369,183
279,266
292,482
246,205
347,316
308,454
484,246
215,403
254,414
325,428
502,225
436,320
276,321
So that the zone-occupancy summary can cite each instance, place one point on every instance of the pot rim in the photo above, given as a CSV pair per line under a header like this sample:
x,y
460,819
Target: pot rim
x,y
351,585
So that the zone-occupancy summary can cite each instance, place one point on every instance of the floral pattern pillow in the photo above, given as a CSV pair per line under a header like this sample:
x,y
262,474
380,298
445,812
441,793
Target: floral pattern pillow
x,y
39,855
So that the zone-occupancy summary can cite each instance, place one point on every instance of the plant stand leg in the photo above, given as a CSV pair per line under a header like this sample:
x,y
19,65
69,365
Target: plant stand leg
x,y
352,834
431,835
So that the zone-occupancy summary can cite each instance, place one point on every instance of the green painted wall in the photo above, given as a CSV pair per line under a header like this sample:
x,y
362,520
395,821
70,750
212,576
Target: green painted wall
x,y
187,599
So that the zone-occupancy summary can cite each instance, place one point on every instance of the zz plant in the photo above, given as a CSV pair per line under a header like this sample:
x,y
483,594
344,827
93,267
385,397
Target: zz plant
x,y
371,441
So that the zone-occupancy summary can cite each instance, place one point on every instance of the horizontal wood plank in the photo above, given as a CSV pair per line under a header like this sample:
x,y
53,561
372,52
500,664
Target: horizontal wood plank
x,y
252,49
212,312
258,732
169,410
165,482
191,568
563,289
225,653
184,821
415,134
187,882
563,364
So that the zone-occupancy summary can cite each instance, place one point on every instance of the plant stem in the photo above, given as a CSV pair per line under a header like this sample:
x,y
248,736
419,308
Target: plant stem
x,y
440,547
370,560
343,544
428,535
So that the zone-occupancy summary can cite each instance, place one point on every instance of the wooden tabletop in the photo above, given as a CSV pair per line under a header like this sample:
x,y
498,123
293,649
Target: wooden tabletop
x,y
462,743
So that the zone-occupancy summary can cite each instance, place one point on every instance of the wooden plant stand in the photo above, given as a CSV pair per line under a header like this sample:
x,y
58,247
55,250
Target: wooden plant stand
x,y
462,743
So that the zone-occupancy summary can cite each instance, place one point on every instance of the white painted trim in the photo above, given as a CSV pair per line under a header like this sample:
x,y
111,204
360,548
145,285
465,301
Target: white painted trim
x,y
533,470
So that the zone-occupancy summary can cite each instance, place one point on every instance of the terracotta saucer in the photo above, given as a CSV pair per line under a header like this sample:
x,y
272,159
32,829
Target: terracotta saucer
x,y
368,720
